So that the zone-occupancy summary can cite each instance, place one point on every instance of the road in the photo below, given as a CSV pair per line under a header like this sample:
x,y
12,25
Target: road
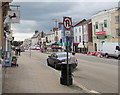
x,y
99,74
93,73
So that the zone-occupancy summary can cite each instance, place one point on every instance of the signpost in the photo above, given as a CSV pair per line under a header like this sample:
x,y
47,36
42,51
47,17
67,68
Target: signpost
x,y
67,22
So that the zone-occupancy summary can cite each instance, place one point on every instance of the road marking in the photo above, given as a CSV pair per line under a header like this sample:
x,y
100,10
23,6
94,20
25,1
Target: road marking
x,y
84,88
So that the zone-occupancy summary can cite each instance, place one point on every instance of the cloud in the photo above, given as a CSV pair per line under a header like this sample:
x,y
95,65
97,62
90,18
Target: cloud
x,y
21,36
39,15
25,26
24,30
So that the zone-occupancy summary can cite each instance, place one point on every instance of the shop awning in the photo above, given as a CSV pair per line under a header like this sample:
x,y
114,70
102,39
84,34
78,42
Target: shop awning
x,y
80,45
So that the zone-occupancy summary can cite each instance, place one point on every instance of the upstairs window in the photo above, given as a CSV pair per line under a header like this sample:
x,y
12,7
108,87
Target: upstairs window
x,y
96,25
76,39
79,38
80,30
105,23
117,18
117,32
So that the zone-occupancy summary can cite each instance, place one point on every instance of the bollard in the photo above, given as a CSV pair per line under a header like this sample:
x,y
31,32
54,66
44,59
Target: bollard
x,y
63,78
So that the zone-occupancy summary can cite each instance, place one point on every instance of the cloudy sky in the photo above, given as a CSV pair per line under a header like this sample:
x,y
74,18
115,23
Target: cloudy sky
x,y
40,15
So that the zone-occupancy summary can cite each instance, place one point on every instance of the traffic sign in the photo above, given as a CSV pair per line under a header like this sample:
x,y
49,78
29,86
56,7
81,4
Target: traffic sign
x,y
67,33
67,22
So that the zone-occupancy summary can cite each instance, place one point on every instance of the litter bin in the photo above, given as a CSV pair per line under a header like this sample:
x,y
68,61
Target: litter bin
x,y
64,79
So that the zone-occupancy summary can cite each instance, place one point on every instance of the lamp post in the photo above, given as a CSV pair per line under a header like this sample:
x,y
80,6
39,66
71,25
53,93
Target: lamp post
x,y
56,21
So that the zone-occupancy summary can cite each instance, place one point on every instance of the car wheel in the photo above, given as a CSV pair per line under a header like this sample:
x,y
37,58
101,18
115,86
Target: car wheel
x,y
55,66
48,63
106,55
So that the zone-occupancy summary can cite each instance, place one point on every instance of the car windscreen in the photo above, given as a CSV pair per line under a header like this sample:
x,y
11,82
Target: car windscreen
x,y
62,55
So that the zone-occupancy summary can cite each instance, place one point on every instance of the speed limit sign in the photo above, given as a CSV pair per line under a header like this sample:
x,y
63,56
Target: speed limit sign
x,y
67,22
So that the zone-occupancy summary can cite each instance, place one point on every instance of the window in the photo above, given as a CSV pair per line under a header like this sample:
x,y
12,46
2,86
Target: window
x,y
117,32
76,39
117,19
80,30
105,23
56,33
79,38
76,30
101,27
96,25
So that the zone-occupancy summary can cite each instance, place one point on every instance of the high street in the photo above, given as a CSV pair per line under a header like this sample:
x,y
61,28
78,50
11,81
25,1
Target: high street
x,y
34,76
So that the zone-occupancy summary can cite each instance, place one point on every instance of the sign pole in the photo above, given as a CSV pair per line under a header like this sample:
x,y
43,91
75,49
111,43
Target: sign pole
x,y
67,21
66,78
67,61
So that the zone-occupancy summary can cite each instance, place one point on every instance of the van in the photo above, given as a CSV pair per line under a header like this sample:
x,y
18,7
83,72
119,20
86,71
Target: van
x,y
109,49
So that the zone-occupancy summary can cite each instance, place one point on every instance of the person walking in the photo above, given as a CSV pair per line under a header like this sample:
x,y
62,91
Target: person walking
x,y
16,51
73,60
19,50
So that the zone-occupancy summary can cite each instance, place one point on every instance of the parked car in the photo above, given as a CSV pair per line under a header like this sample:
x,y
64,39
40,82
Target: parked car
x,y
37,48
22,49
56,46
57,58
111,50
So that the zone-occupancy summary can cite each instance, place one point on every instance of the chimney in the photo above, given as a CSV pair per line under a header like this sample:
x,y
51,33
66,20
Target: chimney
x,y
36,31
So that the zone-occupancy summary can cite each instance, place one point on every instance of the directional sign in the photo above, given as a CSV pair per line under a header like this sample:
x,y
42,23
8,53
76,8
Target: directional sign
x,y
67,22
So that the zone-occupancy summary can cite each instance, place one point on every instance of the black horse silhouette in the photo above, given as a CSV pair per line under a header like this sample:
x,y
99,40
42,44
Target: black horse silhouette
x,y
14,15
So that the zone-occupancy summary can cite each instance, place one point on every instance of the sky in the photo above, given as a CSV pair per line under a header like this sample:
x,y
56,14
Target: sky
x,y
40,15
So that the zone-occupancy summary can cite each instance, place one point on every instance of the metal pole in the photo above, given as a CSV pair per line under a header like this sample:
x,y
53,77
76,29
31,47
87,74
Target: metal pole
x,y
30,51
30,48
67,61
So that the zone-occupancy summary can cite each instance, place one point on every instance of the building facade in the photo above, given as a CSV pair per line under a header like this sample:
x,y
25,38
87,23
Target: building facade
x,y
50,38
83,36
115,18
104,28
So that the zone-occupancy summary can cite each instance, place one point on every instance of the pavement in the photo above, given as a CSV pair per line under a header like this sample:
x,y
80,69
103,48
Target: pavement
x,y
32,76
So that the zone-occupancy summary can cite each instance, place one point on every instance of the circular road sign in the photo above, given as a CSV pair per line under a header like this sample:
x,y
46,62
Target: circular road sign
x,y
67,22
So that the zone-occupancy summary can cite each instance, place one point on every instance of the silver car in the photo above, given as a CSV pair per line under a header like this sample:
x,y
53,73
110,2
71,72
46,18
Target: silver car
x,y
57,58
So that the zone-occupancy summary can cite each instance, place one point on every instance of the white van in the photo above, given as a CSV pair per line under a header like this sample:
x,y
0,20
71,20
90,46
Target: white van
x,y
109,49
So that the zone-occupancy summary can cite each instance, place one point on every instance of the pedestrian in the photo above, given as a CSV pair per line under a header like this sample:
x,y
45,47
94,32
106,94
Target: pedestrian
x,y
16,51
73,60
19,50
